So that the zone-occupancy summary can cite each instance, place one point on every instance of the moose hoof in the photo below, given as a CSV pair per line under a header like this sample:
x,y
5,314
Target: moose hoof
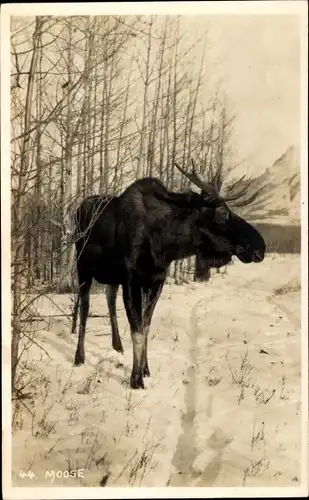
x,y
79,360
118,348
136,381
146,372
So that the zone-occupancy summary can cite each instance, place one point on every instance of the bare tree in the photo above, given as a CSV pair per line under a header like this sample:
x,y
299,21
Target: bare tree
x,y
146,82
19,193
97,102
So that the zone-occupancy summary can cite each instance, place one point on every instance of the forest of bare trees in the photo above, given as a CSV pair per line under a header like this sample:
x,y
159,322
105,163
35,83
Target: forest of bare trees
x,y
96,102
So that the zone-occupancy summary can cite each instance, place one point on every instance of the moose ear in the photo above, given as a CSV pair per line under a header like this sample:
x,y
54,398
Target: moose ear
x,y
221,215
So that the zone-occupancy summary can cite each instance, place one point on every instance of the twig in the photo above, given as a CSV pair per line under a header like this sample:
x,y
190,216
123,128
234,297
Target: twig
x,y
41,317
28,409
36,343
20,395
126,466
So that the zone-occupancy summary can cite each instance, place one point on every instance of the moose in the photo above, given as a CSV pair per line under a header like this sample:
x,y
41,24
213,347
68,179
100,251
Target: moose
x,y
131,240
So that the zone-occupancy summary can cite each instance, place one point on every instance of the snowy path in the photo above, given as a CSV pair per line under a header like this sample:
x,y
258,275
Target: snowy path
x,y
222,407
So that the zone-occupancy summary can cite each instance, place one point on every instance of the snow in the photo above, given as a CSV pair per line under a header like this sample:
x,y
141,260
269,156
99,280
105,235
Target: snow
x,y
221,408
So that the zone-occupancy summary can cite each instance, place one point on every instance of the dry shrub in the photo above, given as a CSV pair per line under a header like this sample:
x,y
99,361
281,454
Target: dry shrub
x,y
290,286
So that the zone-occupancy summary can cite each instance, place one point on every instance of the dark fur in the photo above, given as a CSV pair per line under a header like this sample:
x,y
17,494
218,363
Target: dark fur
x,y
131,240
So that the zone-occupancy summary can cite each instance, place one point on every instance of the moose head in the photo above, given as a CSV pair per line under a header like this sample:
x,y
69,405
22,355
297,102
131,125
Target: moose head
x,y
224,233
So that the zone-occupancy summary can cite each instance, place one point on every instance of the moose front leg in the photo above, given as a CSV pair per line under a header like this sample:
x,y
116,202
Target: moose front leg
x,y
84,310
111,296
133,299
151,296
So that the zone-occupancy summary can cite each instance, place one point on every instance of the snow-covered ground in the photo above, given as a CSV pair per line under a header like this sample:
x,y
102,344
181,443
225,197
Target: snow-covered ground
x,y
222,407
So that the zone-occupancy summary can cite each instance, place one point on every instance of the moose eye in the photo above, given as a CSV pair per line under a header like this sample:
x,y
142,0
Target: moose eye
x,y
222,214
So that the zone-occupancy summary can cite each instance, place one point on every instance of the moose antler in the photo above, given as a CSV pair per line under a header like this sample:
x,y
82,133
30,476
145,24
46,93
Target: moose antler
x,y
217,180
195,179
241,192
248,201
213,188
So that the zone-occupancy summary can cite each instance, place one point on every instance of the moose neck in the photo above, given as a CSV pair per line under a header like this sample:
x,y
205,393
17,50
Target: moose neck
x,y
180,236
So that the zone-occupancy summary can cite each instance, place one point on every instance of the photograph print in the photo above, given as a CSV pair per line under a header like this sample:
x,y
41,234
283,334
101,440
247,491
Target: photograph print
x,y
155,247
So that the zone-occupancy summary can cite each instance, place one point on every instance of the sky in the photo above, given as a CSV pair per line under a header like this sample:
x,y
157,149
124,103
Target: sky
x,y
260,67
257,58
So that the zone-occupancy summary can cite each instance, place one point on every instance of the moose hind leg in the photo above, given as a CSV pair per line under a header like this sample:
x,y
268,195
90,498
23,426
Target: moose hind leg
x,y
132,297
151,296
74,315
111,296
84,311
145,367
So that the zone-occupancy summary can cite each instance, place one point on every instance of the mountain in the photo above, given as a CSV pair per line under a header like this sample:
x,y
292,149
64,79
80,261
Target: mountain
x,y
280,190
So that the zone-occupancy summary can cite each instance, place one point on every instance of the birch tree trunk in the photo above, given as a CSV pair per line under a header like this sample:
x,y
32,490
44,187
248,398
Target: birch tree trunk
x,y
67,248
122,127
154,118
143,131
19,203
174,107
38,240
109,75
